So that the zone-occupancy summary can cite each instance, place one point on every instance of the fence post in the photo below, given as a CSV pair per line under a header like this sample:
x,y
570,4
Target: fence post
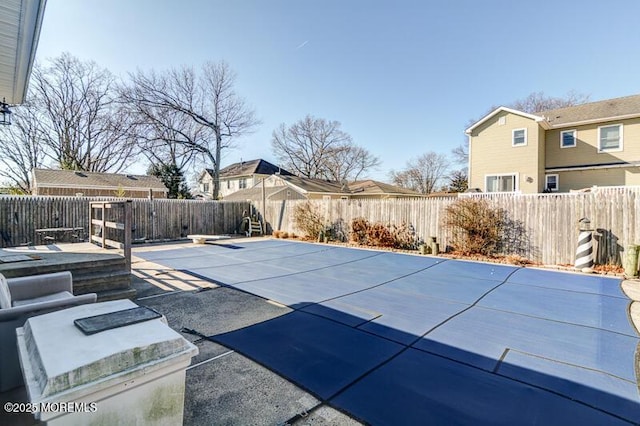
x,y
631,261
152,215
127,233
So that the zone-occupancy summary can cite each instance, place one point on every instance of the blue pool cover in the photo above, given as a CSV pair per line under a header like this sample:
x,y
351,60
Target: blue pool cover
x,y
401,339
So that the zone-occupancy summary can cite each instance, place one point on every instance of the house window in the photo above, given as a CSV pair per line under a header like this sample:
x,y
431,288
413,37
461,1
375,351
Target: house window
x,y
501,183
242,183
567,139
551,183
205,187
228,184
610,138
519,137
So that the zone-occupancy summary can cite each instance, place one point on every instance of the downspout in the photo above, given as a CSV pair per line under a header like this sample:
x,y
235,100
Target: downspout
x,y
469,161
264,210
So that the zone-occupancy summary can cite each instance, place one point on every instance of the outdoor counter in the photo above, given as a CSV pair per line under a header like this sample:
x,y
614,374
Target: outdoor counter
x,y
128,375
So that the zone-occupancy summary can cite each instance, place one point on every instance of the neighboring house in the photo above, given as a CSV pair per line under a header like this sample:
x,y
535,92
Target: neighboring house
x,y
237,176
594,144
88,184
279,187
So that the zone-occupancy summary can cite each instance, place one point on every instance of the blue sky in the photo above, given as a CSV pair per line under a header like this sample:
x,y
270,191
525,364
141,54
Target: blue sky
x,y
403,77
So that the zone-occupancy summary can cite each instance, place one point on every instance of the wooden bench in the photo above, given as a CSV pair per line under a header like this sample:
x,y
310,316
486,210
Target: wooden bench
x,y
201,239
54,235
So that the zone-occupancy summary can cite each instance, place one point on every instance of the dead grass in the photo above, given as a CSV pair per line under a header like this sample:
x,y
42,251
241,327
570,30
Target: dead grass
x,y
507,260
608,269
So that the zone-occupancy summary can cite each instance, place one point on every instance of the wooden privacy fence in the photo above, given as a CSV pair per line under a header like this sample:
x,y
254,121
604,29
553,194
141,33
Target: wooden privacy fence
x,y
160,219
541,227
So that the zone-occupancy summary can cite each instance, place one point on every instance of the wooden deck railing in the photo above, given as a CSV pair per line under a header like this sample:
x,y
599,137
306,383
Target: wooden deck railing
x,y
118,228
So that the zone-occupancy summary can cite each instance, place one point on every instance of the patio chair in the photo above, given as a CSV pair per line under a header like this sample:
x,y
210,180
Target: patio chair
x,y
25,297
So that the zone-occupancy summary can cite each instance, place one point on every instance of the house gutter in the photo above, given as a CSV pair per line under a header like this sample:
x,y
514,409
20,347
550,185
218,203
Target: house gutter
x,y
547,124
126,188
593,167
468,160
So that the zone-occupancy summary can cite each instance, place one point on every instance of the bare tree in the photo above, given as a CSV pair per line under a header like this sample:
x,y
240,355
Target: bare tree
x,y
164,136
459,178
539,102
349,163
460,154
21,147
422,174
82,125
207,98
317,148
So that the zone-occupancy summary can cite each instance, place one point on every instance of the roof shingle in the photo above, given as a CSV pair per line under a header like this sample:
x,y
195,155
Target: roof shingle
x,y
374,187
78,179
601,110
320,186
315,185
248,168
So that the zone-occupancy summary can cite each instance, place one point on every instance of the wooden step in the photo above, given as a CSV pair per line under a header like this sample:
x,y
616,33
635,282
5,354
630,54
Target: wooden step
x,y
105,296
103,273
101,281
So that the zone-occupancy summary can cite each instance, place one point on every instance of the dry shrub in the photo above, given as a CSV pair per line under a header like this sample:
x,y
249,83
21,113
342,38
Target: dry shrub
x,y
514,259
359,228
476,227
405,237
381,235
608,268
283,234
308,220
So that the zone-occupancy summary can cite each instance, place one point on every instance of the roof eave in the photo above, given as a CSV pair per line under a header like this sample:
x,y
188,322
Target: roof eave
x,y
106,187
544,123
534,117
594,120
25,50
291,185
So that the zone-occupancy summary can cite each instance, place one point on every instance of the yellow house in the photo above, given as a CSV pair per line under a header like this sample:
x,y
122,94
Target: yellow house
x,y
594,144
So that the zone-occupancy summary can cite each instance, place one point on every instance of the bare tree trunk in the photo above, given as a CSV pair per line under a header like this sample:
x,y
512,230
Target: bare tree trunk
x,y
207,99
216,178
